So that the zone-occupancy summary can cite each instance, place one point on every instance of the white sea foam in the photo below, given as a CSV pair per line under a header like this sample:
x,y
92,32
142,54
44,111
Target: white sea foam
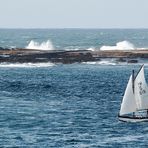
x,y
103,62
72,49
107,63
41,46
91,49
124,45
77,49
26,65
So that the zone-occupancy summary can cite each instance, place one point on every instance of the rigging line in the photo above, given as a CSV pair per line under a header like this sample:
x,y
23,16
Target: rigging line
x,y
139,71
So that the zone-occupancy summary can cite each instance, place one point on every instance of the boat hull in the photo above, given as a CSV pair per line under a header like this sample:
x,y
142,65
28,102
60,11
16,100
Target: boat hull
x,y
133,119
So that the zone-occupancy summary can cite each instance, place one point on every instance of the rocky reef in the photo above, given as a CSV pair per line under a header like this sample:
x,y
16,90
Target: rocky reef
x,y
20,55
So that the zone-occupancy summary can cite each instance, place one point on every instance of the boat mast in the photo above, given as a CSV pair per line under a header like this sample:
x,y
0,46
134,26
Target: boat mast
x,y
133,87
133,82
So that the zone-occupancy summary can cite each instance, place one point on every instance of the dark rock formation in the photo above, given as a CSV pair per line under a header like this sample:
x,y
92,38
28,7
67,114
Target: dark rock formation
x,y
132,61
121,60
34,56
59,56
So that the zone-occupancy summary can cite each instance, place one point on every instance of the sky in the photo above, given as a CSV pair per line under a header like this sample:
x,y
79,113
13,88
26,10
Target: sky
x,y
73,13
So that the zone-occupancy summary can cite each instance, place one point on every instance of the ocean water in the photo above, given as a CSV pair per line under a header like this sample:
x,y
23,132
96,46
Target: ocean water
x,y
73,39
68,106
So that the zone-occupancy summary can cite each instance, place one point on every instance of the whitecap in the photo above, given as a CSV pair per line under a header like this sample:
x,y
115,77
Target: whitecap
x,y
103,62
91,49
123,45
26,65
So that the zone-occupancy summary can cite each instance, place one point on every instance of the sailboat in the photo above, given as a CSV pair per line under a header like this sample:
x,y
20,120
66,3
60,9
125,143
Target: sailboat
x,y
134,106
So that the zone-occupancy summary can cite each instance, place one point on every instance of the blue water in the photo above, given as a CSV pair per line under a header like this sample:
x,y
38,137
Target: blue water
x,y
67,106
73,38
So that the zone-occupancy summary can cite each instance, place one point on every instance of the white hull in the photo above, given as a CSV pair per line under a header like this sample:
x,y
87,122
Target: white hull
x,y
133,119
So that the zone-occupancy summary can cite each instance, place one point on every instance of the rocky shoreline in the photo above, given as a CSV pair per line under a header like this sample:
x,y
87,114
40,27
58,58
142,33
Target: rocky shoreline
x,y
20,55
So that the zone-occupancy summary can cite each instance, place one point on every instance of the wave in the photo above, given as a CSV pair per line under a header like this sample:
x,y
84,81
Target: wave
x,y
103,62
123,45
91,49
78,49
41,46
115,62
26,65
112,63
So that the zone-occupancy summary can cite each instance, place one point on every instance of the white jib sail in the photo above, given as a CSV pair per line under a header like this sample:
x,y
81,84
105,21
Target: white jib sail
x,y
141,90
128,104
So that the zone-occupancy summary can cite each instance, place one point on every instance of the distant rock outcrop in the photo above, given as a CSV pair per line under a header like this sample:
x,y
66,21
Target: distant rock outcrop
x,y
20,55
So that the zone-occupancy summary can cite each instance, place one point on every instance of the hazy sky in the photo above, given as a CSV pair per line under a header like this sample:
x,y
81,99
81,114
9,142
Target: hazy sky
x,y
73,13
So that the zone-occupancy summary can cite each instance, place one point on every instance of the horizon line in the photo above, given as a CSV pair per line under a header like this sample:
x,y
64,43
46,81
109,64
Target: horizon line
x,y
72,28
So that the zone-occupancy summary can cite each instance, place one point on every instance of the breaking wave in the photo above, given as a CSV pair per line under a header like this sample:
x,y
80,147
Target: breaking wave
x,y
77,49
124,45
26,65
41,46
103,62
91,49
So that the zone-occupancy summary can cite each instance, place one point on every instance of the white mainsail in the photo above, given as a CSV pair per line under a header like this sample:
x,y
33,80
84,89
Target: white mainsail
x,y
141,90
128,103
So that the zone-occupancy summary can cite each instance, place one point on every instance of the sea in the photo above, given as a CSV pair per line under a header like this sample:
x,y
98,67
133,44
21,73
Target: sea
x,y
68,105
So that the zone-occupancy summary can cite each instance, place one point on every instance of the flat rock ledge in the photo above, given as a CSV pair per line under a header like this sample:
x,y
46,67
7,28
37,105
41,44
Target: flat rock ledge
x,y
20,55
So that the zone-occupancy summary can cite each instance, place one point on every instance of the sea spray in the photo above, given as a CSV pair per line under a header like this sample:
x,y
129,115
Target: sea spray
x,y
123,45
41,46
